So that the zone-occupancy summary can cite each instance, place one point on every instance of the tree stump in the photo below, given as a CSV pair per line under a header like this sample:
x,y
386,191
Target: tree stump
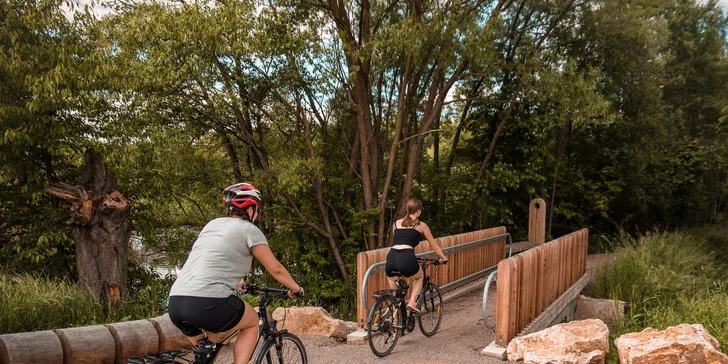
x,y
101,228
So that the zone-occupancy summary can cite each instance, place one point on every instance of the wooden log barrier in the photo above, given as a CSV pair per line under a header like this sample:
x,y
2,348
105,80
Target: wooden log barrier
x,y
31,348
170,338
133,339
87,345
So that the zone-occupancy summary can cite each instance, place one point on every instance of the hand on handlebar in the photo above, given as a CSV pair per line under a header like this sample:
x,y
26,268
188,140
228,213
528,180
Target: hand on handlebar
x,y
299,294
241,286
443,260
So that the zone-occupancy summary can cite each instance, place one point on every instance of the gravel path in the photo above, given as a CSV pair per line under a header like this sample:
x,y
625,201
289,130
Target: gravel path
x,y
461,337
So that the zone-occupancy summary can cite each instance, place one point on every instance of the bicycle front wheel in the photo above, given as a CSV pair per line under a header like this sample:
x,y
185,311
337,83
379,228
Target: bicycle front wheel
x,y
383,326
290,351
430,302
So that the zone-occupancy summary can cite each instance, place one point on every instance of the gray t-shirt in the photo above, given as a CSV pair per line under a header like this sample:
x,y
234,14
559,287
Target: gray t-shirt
x,y
219,259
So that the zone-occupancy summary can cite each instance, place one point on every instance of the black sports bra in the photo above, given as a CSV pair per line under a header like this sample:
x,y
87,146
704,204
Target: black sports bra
x,y
407,236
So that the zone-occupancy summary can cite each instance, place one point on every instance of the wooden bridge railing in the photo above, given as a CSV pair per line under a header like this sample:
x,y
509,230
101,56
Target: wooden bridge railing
x,y
531,281
466,259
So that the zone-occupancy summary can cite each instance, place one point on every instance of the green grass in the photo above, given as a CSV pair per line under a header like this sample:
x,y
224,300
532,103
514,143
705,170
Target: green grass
x,y
668,279
36,302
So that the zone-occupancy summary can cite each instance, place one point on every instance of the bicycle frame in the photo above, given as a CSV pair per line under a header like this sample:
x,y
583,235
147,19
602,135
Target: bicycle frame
x,y
400,294
267,329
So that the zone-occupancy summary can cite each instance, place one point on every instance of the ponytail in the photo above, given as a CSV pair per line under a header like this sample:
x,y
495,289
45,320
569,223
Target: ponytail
x,y
413,205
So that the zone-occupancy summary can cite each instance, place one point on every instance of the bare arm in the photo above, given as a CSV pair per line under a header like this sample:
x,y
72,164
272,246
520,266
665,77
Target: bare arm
x,y
274,267
433,244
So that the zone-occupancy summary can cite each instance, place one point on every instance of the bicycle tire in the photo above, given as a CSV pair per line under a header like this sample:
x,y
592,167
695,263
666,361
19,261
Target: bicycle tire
x,y
430,302
383,325
269,354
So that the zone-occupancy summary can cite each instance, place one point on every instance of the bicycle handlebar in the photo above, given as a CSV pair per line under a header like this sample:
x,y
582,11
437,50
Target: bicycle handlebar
x,y
253,288
433,260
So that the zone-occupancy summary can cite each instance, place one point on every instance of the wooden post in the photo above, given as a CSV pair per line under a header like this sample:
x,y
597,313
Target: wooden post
x,y
537,221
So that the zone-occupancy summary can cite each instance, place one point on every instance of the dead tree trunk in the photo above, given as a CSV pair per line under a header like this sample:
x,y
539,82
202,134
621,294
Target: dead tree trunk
x,y
101,228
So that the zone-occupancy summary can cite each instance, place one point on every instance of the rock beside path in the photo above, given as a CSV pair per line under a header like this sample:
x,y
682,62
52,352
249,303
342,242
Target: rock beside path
x,y
577,342
596,308
310,320
677,344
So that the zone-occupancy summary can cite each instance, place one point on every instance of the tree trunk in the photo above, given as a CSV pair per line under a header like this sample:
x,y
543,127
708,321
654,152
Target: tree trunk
x,y
101,228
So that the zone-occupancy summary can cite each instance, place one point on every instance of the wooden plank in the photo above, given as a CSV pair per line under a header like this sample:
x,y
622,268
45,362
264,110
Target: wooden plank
x,y
503,306
360,270
528,306
562,267
586,249
554,276
537,221
521,317
540,279
533,285
569,254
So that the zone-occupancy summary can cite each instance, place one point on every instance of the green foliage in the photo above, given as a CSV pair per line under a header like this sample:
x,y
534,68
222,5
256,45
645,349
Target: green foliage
x,y
660,265
668,279
620,123
33,302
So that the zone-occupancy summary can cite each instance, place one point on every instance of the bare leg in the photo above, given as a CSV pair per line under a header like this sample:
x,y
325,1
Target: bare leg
x,y
392,282
416,285
245,341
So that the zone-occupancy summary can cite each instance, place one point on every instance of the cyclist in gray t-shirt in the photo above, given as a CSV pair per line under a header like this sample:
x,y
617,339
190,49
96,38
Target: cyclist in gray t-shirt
x,y
201,303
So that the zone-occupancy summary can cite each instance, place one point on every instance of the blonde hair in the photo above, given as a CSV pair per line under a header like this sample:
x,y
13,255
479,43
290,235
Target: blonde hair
x,y
413,205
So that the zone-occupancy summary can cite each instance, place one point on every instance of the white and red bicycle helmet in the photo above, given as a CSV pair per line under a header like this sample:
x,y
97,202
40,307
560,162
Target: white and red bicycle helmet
x,y
240,196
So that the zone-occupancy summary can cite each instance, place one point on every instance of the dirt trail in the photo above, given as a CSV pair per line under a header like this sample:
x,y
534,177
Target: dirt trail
x,y
460,339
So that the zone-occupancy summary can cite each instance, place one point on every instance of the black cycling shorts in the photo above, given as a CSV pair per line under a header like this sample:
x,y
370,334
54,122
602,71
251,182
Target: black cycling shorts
x,y
402,260
194,314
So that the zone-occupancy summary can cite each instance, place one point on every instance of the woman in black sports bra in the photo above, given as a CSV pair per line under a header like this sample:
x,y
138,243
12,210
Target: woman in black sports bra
x,y
408,233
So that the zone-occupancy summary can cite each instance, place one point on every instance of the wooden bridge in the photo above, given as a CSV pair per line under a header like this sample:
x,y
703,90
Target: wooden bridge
x,y
534,289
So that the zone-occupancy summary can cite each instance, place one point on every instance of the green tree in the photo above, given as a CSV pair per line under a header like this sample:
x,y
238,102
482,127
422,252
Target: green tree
x,y
45,61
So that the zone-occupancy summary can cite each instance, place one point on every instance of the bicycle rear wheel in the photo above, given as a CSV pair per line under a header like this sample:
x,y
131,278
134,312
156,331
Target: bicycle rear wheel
x,y
383,326
291,351
430,302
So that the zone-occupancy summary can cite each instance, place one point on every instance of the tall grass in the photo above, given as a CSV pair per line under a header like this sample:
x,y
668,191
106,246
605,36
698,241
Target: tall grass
x,y
668,279
36,302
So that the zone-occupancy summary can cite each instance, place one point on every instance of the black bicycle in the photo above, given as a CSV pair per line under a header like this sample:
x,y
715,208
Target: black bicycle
x,y
389,319
279,346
